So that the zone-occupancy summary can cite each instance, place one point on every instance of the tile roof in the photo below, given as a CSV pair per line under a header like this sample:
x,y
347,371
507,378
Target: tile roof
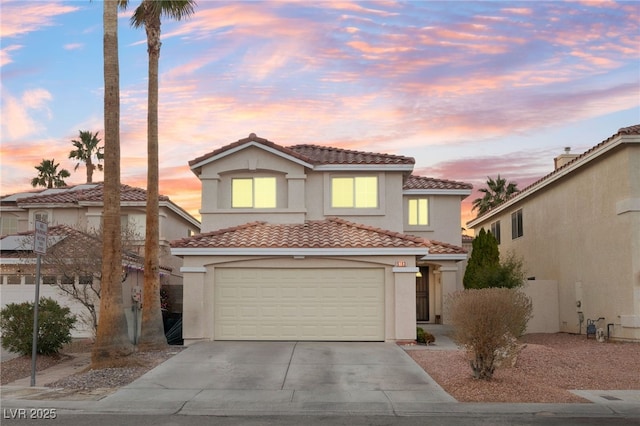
x,y
329,155
420,182
68,234
94,193
314,154
328,233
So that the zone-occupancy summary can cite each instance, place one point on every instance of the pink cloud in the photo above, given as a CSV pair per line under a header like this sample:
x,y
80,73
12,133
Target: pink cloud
x,y
19,18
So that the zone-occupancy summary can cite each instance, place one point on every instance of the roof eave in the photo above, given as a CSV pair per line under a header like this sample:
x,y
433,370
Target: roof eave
x,y
555,176
433,191
364,167
256,251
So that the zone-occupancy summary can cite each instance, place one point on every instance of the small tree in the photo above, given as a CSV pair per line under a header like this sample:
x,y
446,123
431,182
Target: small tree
x,y
487,323
77,259
54,327
485,257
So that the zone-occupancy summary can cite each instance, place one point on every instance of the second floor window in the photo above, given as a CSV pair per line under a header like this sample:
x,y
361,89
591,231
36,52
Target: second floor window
x,y
354,192
419,211
495,230
257,193
516,224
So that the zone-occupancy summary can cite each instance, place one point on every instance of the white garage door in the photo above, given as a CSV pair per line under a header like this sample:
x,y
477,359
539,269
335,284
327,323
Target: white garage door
x,y
299,304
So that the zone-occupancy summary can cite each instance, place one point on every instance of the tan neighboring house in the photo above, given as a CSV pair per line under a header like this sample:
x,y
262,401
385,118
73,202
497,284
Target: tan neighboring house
x,y
579,227
80,207
309,242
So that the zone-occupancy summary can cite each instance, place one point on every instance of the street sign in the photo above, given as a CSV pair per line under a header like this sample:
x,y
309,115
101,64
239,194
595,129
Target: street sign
x,y
40,240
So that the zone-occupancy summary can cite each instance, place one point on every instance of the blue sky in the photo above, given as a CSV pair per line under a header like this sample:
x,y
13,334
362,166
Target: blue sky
x,y
469,89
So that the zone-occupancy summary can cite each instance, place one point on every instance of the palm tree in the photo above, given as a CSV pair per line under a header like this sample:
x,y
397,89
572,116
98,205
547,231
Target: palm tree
x,y
149,14
496,192
86,147
112,338
49,176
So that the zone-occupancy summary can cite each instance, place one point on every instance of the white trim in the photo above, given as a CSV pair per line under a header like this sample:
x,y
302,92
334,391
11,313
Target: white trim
x,y
180,212
400,269
367,167
247,145
445,257
434,191
193,269
250,251
556,175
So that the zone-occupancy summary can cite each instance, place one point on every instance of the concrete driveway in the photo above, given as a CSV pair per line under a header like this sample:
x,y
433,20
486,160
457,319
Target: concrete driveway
x,y
230,378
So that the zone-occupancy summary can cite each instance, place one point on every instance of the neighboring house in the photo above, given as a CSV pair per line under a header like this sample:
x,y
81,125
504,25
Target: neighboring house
x,y
69,273
81,206
310,242
580,227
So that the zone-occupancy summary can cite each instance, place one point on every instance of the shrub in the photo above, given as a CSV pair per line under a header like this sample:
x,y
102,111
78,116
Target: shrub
x,y
424,336
487,322
54,327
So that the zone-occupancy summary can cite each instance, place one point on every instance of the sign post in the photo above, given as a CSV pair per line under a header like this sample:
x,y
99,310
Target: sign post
x,y
39,248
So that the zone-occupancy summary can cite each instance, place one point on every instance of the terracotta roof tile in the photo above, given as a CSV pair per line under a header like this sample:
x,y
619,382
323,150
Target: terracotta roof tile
x,y
73,235
314,154
420,182
252,138
329,155
93,194
437,247
329,233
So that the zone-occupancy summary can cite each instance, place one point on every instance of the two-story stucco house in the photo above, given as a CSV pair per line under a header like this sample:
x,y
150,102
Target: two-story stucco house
x,y
80,207
309,242
580,226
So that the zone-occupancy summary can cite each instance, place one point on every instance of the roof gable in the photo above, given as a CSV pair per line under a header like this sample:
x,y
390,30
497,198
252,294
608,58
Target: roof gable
x,y
311,156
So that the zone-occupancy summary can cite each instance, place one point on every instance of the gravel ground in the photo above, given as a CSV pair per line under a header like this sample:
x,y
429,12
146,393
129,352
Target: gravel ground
x,y
545,370
140,362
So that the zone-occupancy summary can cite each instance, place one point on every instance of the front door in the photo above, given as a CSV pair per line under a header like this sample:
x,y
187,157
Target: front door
x,y
422,294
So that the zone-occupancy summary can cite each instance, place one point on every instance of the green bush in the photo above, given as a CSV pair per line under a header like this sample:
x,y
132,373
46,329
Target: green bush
x,y
487,323
54,327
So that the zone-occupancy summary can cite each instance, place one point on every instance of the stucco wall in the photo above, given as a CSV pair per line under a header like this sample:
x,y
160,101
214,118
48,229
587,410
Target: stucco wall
x,y
544,298
575,234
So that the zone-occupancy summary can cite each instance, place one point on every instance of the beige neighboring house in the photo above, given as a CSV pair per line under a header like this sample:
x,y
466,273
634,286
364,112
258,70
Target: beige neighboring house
x,y
579,227
309,242
80,207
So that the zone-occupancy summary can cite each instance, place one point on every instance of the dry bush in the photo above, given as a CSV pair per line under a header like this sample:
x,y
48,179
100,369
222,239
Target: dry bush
x,y
487,322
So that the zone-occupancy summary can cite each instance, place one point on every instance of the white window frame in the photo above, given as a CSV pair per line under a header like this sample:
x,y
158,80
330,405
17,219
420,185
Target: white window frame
x,y
417,201
254,200
354,192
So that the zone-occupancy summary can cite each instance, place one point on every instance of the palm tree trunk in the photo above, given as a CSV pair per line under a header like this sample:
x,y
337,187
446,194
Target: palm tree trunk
x,y
90,168
152,335
112,338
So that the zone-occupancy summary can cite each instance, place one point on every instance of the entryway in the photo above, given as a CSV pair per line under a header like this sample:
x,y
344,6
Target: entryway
x,y
422,294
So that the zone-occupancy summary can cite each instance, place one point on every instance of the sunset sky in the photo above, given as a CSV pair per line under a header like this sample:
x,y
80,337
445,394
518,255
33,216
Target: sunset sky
x,y
469,89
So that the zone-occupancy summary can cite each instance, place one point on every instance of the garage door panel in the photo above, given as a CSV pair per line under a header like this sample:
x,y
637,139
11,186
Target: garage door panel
x,y
304,304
